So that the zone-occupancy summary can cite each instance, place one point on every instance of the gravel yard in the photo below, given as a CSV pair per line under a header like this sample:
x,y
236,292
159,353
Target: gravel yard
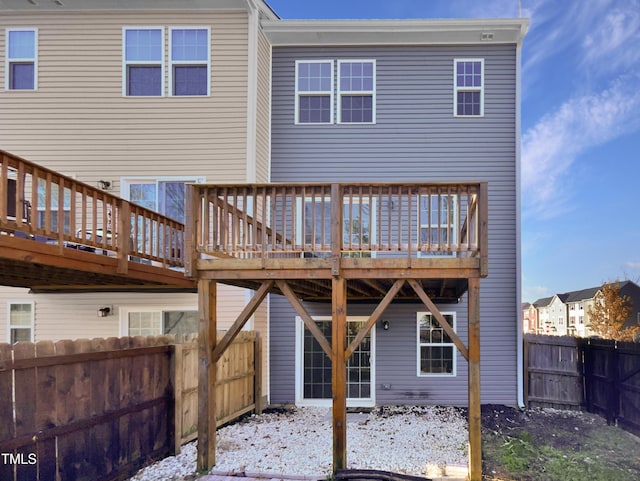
x,y
421,441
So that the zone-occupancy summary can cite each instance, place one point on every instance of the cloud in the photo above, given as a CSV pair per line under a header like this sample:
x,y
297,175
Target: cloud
x,y
615,42
551,146
633,265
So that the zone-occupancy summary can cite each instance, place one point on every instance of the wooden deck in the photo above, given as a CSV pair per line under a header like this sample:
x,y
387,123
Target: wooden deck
x,y
338,243
58,234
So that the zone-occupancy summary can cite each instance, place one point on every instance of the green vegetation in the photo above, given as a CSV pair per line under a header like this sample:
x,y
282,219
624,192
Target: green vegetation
x,y
559,448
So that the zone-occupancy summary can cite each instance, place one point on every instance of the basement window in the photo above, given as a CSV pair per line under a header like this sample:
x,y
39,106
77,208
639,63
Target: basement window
x,y
436,350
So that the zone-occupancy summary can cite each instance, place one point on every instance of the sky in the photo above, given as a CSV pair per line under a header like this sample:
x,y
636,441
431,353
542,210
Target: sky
x,y
580,129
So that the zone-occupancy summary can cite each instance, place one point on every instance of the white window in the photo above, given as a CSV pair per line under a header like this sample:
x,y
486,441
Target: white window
x,y
468,87
437,224
313,367
156,322
436,350
143,56
165,195
21,62
20,315
314,92
189,61
356,91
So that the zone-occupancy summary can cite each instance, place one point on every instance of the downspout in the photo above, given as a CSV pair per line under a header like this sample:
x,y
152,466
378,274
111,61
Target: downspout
x,y
519,334
252,89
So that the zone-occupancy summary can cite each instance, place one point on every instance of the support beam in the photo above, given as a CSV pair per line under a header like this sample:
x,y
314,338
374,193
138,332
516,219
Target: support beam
x,y
475,437
374,318
306,318
339,372
242,319
206,375
439,317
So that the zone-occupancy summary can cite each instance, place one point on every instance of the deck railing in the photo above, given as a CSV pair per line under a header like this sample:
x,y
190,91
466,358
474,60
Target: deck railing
x,y
345,220
43,205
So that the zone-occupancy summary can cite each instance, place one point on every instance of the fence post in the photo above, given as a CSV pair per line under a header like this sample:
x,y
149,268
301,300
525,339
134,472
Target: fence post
x,y
525,360
176,379
614,380
257,369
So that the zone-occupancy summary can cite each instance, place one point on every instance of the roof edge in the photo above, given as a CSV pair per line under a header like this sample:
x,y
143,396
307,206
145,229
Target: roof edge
x,y
395,32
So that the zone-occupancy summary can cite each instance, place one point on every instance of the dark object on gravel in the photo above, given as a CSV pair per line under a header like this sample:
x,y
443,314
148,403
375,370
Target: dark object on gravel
x,y
373,475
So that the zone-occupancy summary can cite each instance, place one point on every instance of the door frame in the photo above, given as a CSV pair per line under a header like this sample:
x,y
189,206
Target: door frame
x,y
299,367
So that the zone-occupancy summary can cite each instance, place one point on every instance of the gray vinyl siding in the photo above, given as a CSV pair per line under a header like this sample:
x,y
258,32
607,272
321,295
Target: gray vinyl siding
x,y
415,138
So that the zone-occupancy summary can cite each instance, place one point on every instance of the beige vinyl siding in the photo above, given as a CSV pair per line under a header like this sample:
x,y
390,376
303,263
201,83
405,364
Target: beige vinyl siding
x,y
79,123
263,130
74,316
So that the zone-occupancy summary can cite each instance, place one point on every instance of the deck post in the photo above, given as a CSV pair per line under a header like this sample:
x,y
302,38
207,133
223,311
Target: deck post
x,y
339,372
207,339
475,434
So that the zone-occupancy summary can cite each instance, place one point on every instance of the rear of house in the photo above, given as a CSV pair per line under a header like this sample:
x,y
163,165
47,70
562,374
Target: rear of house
x,y
406,101
137,98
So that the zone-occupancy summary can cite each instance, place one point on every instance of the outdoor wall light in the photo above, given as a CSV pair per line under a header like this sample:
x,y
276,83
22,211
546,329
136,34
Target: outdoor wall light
x,y
385,325
104,311
104,184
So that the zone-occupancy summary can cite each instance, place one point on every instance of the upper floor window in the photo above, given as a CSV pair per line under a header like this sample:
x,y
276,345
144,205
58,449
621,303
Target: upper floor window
x,y
314,92
21,59
356,91
143,62
189,61
468,92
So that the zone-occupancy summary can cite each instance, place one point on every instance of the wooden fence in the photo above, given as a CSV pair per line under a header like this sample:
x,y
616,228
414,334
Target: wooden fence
x,y
101,409
601,376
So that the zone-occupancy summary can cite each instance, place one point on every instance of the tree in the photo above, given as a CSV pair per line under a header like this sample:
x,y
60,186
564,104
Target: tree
x,y
610,312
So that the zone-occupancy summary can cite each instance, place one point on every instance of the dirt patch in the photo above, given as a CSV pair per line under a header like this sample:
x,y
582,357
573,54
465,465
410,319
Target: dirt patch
x,y
548,445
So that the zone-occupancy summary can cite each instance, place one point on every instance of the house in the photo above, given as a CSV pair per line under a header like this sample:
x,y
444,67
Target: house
x,y
336,168
544,320
137,98
530,319
578,305
568,313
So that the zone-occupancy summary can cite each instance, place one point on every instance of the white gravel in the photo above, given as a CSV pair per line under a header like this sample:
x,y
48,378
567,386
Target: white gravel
x,y
421,441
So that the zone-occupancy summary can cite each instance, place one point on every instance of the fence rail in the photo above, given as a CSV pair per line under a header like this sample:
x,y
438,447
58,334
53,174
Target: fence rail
x,y
44,205
100,409
601,376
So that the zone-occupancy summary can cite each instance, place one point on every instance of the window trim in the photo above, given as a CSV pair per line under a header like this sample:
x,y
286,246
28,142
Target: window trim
x,y
363,93
299,94
300,400
9,61
457,89
32,324
126,63
454,369
172,63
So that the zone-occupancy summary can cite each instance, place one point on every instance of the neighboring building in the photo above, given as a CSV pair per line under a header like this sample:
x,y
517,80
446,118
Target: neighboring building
x,y
558,315
530,319
544,318
137,97
578,305
568,313
412,101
